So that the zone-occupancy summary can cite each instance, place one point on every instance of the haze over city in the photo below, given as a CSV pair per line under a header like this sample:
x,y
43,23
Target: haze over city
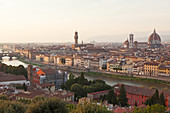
x,y
57,20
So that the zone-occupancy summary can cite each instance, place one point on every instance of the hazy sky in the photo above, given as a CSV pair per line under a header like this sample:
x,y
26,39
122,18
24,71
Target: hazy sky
x,y
57,20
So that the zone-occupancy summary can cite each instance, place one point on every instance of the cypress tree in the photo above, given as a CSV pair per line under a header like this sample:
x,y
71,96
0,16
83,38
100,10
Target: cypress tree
x,y
111,97
136,103
122,96
81,79
155,98
162,100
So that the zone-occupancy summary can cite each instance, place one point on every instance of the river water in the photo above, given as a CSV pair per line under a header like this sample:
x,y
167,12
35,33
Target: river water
x,y
109,80
113,81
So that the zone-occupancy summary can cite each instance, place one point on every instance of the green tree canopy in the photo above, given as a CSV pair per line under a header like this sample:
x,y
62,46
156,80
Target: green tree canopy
x,y
162,99
19,70
78,89
154,99
81,79
151,109
111,97
12,107
3,97
122,96
49,105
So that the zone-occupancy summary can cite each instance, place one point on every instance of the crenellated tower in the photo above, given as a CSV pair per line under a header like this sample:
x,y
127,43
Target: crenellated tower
x,y
76,37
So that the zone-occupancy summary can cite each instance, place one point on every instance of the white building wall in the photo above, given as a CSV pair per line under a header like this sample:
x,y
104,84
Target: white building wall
x,y
15,82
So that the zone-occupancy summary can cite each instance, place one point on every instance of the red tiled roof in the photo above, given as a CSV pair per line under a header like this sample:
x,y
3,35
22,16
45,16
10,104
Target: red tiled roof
x,y
49,71
151,63
98,92
9,77
139,90
46,84
31,94
120,110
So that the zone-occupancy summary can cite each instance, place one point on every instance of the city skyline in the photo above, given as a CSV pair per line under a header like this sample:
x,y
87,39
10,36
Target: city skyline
x,y
56,21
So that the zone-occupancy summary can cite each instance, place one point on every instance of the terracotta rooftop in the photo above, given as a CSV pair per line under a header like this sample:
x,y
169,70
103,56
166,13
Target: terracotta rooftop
x,y
61,94
151,63
48,71
9,77
139,90
98,92
46,85
31,94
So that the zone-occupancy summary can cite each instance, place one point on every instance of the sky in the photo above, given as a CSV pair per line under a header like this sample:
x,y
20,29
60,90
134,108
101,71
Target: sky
x,y
57,20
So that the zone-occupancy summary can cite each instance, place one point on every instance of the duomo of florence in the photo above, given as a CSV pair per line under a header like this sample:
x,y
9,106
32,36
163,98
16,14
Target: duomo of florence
x,y
154,41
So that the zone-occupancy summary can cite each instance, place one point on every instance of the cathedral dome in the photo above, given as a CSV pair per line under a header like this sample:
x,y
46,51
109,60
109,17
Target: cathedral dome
x,y
154,38
126,44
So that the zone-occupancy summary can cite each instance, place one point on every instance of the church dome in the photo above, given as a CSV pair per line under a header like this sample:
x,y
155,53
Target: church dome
x,y
154,38
126,42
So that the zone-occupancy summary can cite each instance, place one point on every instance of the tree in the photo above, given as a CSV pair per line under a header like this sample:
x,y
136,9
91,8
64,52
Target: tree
x,y
49,105
71,76
98,81
71,107
3,97
88,89
122,96
100,87
154,99
69,83
78,89
111,97
90,108
151,109
12,107
102,98
24,87
21,70
81,79
162,100
38,98
148,102
136,103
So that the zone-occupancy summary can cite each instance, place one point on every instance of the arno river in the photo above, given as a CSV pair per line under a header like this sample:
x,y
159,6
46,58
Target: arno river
x,y
109,80
112,81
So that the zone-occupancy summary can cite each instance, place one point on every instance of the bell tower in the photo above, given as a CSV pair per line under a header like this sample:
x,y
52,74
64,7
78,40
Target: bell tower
x,y
131,41
76,37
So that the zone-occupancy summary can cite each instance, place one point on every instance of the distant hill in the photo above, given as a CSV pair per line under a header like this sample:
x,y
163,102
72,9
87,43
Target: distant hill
x,y
139,36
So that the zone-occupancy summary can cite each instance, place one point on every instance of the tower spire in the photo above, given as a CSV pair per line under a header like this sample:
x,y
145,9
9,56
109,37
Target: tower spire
x,y
154,30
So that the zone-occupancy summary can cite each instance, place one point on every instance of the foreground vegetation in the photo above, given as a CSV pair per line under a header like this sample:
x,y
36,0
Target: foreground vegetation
x,y
42,104
127,77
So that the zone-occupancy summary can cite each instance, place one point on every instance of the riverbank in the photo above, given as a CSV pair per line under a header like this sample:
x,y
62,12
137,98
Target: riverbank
x,y
35,64
127,77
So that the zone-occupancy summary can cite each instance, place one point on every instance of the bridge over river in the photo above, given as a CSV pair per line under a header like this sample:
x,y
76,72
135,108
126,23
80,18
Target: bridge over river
x,y
7,54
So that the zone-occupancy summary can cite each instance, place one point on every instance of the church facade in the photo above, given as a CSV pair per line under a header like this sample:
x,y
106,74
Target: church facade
x,y
154,41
